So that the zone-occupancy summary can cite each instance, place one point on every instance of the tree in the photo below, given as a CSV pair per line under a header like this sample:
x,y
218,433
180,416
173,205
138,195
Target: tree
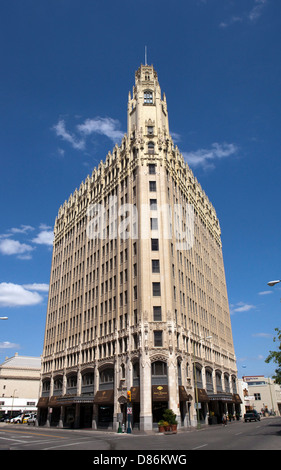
x,y
275,356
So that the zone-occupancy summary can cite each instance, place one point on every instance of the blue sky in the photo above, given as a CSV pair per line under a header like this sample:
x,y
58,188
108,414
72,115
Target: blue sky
x,y
68,64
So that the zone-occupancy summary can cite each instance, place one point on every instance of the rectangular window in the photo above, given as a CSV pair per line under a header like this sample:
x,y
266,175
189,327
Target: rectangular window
x,y
157,314
156,289
154,244
155,265
153,204
158,341
154,223
152,169
152,186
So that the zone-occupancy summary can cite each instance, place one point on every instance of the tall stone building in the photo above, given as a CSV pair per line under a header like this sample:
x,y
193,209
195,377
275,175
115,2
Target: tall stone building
x,y
138,299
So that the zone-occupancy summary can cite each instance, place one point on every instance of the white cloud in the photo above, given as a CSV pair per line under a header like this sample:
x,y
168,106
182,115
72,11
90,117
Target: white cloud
x,y
46,237
176,137
253,15
256,11
266,292
104,126
37,287
241,307
262,335
22,229
14,295
206,157
8,345
61,131
14,247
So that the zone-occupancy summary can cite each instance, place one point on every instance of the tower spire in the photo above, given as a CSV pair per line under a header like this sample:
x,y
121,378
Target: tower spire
x,y
145,55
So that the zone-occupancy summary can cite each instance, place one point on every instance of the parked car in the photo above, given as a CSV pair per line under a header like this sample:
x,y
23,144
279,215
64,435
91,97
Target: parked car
x,y
31,420
252,415
16,419
21,418
26,418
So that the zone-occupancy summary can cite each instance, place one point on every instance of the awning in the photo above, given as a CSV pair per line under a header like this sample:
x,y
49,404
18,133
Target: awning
x,y
236,398
54,401
183,395
104,397
225,397
43,402
135,394
160,393
202,395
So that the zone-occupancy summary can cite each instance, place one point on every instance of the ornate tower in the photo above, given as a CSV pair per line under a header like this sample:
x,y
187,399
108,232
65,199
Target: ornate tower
x,y
133,313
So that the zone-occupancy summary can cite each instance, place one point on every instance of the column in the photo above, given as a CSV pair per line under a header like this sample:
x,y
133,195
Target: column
x,y
145,394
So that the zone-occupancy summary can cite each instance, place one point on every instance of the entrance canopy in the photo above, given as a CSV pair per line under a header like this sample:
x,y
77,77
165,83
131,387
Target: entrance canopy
x,y
160,393
183,395
202,395
225,397
104,397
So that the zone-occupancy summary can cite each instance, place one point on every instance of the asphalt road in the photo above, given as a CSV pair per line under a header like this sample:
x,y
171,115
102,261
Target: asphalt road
x,y
262,435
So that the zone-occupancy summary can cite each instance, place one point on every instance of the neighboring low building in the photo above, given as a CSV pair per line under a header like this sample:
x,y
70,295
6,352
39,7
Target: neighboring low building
x,y
19,385
264,395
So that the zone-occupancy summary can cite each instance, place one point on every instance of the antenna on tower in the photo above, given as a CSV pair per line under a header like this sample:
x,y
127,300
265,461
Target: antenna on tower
x,y
145,56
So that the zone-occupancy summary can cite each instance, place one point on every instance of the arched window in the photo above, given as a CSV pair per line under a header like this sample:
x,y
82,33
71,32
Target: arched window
x,y
159,373
148,97
150,147
106,379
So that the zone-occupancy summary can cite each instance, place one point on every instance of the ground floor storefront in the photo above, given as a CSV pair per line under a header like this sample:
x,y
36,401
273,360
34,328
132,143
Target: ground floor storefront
x,y
103,412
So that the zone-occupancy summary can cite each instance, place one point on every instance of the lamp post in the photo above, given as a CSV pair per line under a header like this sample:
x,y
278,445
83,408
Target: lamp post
x,y
195,380
272,283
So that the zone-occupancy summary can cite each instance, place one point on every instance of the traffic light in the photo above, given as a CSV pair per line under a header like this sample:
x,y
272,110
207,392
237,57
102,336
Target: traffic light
x,y
129,395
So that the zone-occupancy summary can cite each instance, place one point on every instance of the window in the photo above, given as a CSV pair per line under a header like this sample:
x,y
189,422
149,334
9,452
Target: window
x,y
153,204
257,396
154,223
155,265
159,368
154,244
151,166
107,376
158,342
156,289
150,130
147,97
152,186
157,314
150,147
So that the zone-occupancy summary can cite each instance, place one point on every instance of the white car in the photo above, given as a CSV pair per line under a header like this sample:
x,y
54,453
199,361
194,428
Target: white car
x,y
20,419
17,419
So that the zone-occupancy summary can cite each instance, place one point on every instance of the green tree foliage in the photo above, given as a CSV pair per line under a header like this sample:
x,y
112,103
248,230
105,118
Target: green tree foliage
x,y
275,356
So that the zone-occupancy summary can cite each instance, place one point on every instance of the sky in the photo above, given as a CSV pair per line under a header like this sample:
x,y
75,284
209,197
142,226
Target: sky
x,y
66,69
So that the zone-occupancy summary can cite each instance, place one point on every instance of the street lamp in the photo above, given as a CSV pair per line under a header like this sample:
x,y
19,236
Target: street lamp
x,y
195,379
272,283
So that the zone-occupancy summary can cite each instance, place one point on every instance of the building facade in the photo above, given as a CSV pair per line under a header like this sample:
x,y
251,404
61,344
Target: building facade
x,y
263,395
138,299
19,385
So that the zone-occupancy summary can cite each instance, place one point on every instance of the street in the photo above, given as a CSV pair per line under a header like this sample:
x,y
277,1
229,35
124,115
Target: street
x,y
261,435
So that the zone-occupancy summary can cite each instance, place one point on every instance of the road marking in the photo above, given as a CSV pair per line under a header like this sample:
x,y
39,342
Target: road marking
x,y
65,445
7,439
43,441
33,433
237,434
199,447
